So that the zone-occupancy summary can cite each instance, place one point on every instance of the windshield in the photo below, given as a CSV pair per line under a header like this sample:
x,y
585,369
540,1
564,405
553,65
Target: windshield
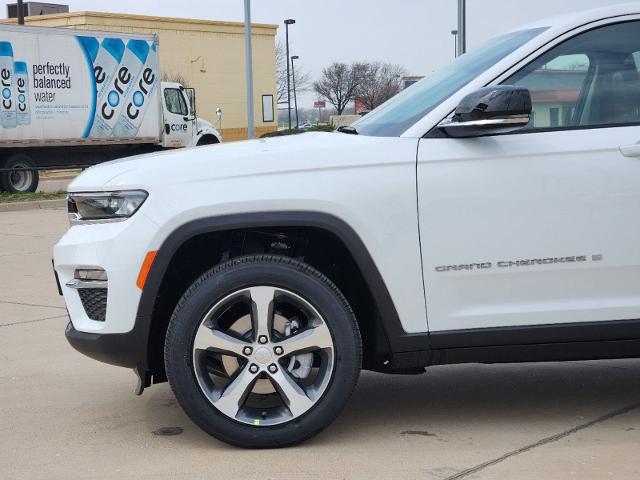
x,y
394,117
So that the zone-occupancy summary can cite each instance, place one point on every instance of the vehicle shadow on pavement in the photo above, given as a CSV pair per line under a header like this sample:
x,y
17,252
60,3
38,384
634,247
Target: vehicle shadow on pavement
x,y
456,398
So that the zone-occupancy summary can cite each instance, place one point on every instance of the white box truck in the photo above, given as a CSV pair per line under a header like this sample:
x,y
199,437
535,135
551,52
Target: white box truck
x,y
74,98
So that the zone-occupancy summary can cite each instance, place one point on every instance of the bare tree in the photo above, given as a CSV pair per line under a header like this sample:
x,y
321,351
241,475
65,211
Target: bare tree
x,y
380,82
303,76
339,83
175,78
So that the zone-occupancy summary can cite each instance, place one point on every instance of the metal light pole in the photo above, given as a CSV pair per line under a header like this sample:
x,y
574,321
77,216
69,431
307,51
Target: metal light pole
x,y
295,98
248,57
20,13
287,22
462,26
455,42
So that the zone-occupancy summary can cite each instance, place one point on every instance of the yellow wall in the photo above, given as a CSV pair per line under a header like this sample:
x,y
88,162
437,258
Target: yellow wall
x,y
208,54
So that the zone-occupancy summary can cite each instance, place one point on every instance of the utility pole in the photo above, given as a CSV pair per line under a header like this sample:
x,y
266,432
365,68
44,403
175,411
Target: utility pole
x,y
288,22
462,27
295,97
248,58
20,12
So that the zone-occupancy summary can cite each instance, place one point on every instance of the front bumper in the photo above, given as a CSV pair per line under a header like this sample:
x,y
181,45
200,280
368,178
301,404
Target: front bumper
x,y
118,335
123,350
117,248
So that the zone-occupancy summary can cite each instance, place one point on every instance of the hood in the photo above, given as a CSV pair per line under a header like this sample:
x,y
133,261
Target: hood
x,y
307,151
202,124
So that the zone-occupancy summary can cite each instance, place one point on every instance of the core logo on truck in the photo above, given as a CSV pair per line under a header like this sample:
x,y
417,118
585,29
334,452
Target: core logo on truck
x,y
179,127
21,72
22,99
147,81
113,98
6,89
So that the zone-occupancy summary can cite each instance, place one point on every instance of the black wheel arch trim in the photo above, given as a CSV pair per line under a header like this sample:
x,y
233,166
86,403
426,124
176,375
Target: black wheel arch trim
x,y
399,340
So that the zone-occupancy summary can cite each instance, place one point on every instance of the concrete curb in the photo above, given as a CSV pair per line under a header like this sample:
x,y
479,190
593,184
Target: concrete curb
x,y
35,205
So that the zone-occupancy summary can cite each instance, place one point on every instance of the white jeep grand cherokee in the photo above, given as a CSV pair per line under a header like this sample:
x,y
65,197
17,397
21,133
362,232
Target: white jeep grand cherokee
x,y
490,213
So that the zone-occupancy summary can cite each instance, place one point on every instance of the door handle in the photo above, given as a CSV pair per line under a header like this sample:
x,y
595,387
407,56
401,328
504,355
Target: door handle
x,y
630,150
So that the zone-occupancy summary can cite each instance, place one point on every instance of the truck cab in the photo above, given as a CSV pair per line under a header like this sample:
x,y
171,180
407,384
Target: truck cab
x,y
181,125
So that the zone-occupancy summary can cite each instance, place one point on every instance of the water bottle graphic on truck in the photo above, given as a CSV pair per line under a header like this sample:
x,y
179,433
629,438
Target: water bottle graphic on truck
x,y
8,117
111,103
14,81
105,57
23,114
132,114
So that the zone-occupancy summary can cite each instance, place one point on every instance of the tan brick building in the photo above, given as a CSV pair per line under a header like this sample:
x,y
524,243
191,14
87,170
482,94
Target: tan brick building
x,y
209,55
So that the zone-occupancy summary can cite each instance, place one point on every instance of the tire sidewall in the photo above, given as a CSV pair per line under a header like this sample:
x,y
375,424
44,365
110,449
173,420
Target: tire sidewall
x,y
243,273
5,176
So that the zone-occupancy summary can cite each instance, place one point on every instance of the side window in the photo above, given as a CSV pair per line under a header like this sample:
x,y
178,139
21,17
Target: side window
x,y
175,102
556,87
592,79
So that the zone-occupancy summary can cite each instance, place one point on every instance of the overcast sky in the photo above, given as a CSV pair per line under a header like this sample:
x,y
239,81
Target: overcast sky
x,y
413,33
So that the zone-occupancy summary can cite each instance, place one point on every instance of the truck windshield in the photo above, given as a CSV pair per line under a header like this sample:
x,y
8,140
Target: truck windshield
x,y
395,116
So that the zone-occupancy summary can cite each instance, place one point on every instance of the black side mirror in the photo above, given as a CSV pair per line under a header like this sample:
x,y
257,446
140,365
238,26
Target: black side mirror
x,y
488,111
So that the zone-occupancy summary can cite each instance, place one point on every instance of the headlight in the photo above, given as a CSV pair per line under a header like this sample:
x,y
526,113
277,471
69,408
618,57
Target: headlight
x,y
104,206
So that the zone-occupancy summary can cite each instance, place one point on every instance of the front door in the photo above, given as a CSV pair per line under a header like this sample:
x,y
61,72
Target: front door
x,y
542,226
178,125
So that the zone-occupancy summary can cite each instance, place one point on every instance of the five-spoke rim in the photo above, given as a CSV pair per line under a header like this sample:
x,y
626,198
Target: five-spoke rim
x,y
271,370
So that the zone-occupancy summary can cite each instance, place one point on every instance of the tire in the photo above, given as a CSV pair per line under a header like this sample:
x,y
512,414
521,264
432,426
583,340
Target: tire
x,y
19,181
280,408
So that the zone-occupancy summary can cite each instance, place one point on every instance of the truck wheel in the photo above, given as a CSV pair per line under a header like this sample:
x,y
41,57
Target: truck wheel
x,y
20,180
207,140
263,352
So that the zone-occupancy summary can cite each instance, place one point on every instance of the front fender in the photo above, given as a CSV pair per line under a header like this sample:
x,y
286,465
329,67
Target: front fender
x,y
206,131
399,339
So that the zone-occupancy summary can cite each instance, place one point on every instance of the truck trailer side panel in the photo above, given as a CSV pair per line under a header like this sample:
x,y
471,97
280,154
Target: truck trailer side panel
x,y
72,87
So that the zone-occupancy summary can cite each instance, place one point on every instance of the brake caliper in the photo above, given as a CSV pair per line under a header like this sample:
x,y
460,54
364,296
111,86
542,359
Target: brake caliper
x,y
300,364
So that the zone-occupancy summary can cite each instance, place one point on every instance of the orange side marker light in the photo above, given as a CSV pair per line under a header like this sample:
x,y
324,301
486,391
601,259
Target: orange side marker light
x,y
144,269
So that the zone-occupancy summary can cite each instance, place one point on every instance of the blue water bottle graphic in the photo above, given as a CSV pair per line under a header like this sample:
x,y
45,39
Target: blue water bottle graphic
x,y
8,117
140,97
125,77
106,63
21,73
105,57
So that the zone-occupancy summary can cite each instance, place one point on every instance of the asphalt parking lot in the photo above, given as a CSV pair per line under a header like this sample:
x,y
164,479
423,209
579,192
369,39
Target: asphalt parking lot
x,y
64,416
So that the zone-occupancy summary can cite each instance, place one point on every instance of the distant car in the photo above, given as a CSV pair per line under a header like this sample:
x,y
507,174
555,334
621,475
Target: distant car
x,y
306,126
489,213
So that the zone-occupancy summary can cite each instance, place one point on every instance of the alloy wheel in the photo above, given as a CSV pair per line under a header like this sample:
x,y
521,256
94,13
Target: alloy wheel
x,y
263,355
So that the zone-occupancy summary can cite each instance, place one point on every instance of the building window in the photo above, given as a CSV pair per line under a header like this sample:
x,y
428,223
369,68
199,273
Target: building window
x,y
554,117
267,109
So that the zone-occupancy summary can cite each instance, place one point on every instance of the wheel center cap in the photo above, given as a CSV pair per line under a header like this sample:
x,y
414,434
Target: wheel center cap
x,y
263,355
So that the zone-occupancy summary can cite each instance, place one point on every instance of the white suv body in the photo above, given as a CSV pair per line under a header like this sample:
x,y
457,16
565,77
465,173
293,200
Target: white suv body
x,y
509,245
